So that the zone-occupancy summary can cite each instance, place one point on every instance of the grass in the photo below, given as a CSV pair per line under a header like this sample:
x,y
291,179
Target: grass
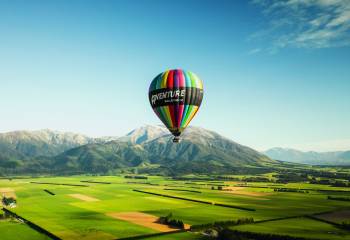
x,y
10,230
71,218
177,236
298,227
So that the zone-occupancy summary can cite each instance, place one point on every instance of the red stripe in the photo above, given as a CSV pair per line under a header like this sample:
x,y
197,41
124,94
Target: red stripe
x,y
176,78
172,115
180,113
170,82
182,78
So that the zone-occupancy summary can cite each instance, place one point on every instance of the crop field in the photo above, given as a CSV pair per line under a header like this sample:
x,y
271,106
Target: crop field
x,y
10,229
297,227
114,207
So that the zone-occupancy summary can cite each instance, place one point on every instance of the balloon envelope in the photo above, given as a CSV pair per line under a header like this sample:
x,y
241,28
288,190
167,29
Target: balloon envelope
x,y
175,96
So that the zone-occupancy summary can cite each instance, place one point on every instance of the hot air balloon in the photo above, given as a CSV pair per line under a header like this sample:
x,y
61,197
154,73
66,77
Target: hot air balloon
x,y
175,96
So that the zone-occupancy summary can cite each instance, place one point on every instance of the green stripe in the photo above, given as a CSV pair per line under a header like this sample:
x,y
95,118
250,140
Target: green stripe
x,y
188,113
164,116
193,80
186,107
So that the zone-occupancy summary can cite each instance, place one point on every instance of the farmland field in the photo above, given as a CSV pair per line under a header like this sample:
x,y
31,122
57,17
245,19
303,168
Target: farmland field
x,y
298,227
104,207
10,229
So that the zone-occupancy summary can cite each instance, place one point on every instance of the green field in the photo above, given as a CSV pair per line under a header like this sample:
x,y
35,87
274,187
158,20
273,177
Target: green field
x,y
10,229
298,227
69,217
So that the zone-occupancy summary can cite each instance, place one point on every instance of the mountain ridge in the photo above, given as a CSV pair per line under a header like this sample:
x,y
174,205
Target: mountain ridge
x,y
26,144
199,150
309,157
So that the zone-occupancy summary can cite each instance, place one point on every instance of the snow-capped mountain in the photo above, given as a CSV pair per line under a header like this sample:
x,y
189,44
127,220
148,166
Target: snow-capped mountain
x,y
43,142
199,150
144,134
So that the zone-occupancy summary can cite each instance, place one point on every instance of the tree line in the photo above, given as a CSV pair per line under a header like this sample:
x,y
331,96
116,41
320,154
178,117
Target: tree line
x,y
170,221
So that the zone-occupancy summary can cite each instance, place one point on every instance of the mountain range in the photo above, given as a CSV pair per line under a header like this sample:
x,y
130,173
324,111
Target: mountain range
x,y
27,144
147,148
311,157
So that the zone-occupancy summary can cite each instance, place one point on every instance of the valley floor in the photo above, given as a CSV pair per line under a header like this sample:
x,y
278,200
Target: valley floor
x,y
114,207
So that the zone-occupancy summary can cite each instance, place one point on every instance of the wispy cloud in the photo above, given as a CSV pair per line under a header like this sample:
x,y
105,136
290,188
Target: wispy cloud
x,y
305,23
254,51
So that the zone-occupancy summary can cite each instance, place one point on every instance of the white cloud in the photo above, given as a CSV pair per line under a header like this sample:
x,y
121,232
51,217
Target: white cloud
x,y
305,23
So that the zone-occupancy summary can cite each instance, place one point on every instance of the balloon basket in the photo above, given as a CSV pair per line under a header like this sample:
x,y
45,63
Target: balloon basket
x,y
176,139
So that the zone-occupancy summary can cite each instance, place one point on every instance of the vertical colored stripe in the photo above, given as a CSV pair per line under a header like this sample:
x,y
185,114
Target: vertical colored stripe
x,y
181,78
171,112
165,117
160,115
170,84
193,80
170,81
176,78
164,79
187,83
188,113
181,110
187,79
159,81
199,82
168,116
154,83
184,115
192,114
176,105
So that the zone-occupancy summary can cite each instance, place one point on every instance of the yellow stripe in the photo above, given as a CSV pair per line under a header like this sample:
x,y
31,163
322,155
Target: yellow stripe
x,y
165,79
193,112
167,112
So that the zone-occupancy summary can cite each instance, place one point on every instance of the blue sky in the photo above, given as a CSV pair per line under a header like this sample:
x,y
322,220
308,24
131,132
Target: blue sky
x,y
276,73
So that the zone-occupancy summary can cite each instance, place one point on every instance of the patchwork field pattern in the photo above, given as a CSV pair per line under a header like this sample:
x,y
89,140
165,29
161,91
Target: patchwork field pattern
x,y
83,197
298,227
114,211
337,216
143,219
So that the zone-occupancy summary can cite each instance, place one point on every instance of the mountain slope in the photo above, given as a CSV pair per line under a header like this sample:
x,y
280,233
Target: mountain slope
x,y
203,145
29,144
345,155
200,150
313,158
144,134
100,157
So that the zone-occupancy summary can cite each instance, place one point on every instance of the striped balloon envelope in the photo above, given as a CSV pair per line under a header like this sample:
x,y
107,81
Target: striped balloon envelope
x,y
175,96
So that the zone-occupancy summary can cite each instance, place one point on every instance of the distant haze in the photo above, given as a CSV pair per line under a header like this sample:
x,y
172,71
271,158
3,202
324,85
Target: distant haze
x,y
310,157
322,146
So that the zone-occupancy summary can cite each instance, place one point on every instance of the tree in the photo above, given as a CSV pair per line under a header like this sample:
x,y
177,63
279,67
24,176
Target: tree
x,y
7,201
